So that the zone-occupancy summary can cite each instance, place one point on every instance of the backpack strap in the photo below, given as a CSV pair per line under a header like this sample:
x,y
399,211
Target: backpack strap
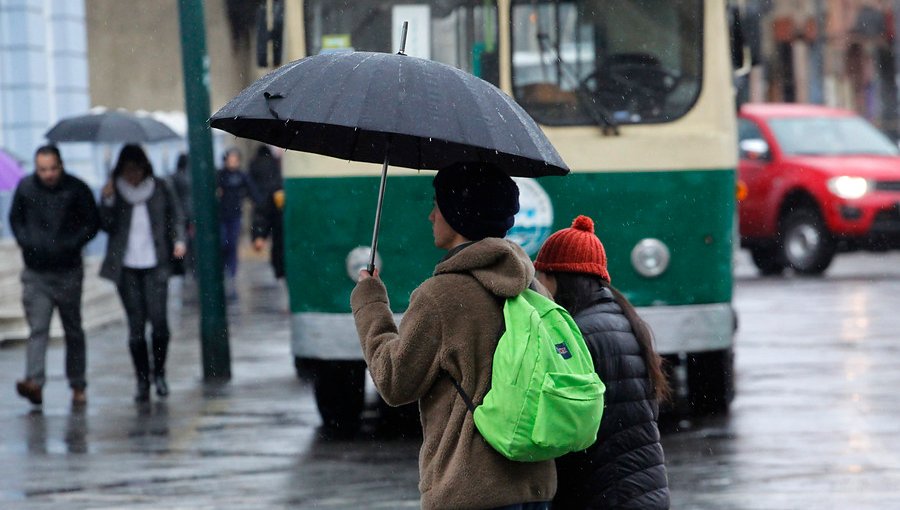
x,y
469,404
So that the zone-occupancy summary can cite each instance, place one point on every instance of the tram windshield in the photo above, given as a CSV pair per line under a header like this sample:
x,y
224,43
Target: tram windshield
x,y
622,61
461,33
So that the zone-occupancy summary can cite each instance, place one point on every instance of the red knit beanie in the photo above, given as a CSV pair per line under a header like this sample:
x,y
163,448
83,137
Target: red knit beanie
x,y
574,250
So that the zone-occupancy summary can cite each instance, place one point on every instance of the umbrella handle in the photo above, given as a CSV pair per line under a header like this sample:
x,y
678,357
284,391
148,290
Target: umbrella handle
x,y
371,267
403,38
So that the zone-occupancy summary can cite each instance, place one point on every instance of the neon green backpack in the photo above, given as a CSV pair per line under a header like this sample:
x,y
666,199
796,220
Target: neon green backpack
x,y
545,400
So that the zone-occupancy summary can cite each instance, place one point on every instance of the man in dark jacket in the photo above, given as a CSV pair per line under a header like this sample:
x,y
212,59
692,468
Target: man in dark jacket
x,y
234,186
265,172
53,216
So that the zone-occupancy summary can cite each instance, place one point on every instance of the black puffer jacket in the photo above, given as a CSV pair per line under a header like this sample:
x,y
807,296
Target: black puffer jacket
x,y
52,225
625,468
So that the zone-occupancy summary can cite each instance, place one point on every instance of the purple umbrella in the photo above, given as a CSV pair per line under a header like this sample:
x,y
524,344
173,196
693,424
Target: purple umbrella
x,y
10,172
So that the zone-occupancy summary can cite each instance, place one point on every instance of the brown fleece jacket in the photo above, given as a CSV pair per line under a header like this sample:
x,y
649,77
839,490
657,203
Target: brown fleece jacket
x,y
452,327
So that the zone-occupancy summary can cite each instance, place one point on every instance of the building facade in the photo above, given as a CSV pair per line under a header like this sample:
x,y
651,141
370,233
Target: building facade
x,y
836,52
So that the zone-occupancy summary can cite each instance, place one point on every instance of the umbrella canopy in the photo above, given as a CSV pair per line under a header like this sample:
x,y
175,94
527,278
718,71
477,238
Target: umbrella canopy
x,y
10,172
357,105
110,127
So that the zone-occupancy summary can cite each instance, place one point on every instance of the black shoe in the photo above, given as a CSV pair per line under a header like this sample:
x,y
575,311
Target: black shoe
x,y
143,392
162,389
30,390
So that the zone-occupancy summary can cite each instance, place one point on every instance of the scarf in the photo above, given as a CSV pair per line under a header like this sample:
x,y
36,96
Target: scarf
x,y
139,252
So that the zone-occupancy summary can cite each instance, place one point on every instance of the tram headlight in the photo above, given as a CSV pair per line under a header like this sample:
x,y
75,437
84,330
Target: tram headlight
x,y
358,259
848,187
650,257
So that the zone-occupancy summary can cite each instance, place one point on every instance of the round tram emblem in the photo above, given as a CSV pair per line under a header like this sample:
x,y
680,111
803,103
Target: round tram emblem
x,y
535,217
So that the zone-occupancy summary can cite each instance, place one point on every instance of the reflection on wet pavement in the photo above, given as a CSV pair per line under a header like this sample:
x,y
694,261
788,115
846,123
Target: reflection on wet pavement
x,y
814,423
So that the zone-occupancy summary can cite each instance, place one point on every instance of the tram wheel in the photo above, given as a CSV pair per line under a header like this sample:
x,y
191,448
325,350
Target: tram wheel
x,y
710,381
339,388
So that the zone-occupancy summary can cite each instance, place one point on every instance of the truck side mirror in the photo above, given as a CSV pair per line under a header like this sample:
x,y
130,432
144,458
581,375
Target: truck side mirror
x,y
754,149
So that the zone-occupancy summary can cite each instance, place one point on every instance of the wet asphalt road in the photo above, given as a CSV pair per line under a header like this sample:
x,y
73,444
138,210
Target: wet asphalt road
x,y
814,424
816,419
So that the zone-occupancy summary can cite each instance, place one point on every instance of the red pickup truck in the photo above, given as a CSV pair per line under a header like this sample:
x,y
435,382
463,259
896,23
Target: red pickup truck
x,y
816,181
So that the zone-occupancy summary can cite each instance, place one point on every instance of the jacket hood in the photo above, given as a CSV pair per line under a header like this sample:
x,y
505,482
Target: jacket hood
x,y
501,266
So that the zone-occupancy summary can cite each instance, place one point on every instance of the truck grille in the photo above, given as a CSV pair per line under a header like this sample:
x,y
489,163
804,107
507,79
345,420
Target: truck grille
x,y
887,221
887,185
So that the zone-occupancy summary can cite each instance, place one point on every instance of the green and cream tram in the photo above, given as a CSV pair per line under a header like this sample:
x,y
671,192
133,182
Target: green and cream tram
x,y
637,96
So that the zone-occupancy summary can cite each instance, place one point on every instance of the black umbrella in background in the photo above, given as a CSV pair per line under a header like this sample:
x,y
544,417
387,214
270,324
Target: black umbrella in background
x,y
114,126
389,109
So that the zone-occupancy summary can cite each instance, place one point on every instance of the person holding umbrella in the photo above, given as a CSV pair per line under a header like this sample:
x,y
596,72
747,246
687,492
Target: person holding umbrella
x,y
450,332
146,231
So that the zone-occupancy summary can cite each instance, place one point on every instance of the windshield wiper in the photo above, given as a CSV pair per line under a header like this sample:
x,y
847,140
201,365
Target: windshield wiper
x,y
597,112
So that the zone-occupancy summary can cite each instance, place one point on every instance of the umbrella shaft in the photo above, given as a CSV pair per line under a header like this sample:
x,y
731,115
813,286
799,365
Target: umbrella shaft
x,y
384,168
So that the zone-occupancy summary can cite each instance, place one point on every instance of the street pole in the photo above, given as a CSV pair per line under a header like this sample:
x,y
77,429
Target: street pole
x,y
216,354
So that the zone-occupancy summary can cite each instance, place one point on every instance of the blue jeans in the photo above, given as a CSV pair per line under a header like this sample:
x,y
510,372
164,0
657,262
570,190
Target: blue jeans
x,y
231,234
538,505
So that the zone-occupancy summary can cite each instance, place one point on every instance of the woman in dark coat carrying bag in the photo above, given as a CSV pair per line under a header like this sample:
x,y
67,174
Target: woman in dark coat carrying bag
x,y
146,231
625,468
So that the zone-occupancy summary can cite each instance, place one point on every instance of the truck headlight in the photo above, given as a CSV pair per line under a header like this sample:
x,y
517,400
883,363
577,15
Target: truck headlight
x,y
650,257
848,187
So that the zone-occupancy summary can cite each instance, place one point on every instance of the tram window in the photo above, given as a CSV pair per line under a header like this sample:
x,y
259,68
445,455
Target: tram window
x,y
460,33
631,61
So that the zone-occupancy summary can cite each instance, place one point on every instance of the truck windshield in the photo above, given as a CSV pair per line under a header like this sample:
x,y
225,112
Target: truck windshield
x,y
830,136
460,33
636,61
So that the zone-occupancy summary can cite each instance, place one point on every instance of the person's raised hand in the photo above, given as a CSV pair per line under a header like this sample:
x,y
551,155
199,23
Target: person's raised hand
x,y
180,250
108,189
365,275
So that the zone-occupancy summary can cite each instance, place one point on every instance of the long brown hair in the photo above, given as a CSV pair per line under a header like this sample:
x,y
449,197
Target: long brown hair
x,y
575,292
133,153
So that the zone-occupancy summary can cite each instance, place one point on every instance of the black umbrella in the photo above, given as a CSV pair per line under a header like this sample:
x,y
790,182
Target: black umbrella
x,y
390,109
110,127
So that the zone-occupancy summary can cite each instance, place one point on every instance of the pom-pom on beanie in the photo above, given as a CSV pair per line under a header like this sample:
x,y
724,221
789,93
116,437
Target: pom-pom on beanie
x,y
574,250
477,200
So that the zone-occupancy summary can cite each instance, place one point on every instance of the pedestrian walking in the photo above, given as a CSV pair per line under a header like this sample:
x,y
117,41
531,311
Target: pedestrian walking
x,y
233,187
53,216
180,183
145,228
625,468
449,332
265,172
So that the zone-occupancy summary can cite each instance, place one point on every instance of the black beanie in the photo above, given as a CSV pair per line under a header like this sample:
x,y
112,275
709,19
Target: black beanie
x,y
478,200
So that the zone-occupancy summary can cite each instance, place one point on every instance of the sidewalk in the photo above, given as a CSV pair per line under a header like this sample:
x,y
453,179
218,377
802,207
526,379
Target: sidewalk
x,y
252,443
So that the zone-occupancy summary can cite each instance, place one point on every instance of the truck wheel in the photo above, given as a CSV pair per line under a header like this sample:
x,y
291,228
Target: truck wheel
x,y
767,259
808,246
339,388
710,381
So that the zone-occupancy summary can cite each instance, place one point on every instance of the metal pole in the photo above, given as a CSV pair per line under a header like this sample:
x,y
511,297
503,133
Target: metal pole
x,y
216,354
384,169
